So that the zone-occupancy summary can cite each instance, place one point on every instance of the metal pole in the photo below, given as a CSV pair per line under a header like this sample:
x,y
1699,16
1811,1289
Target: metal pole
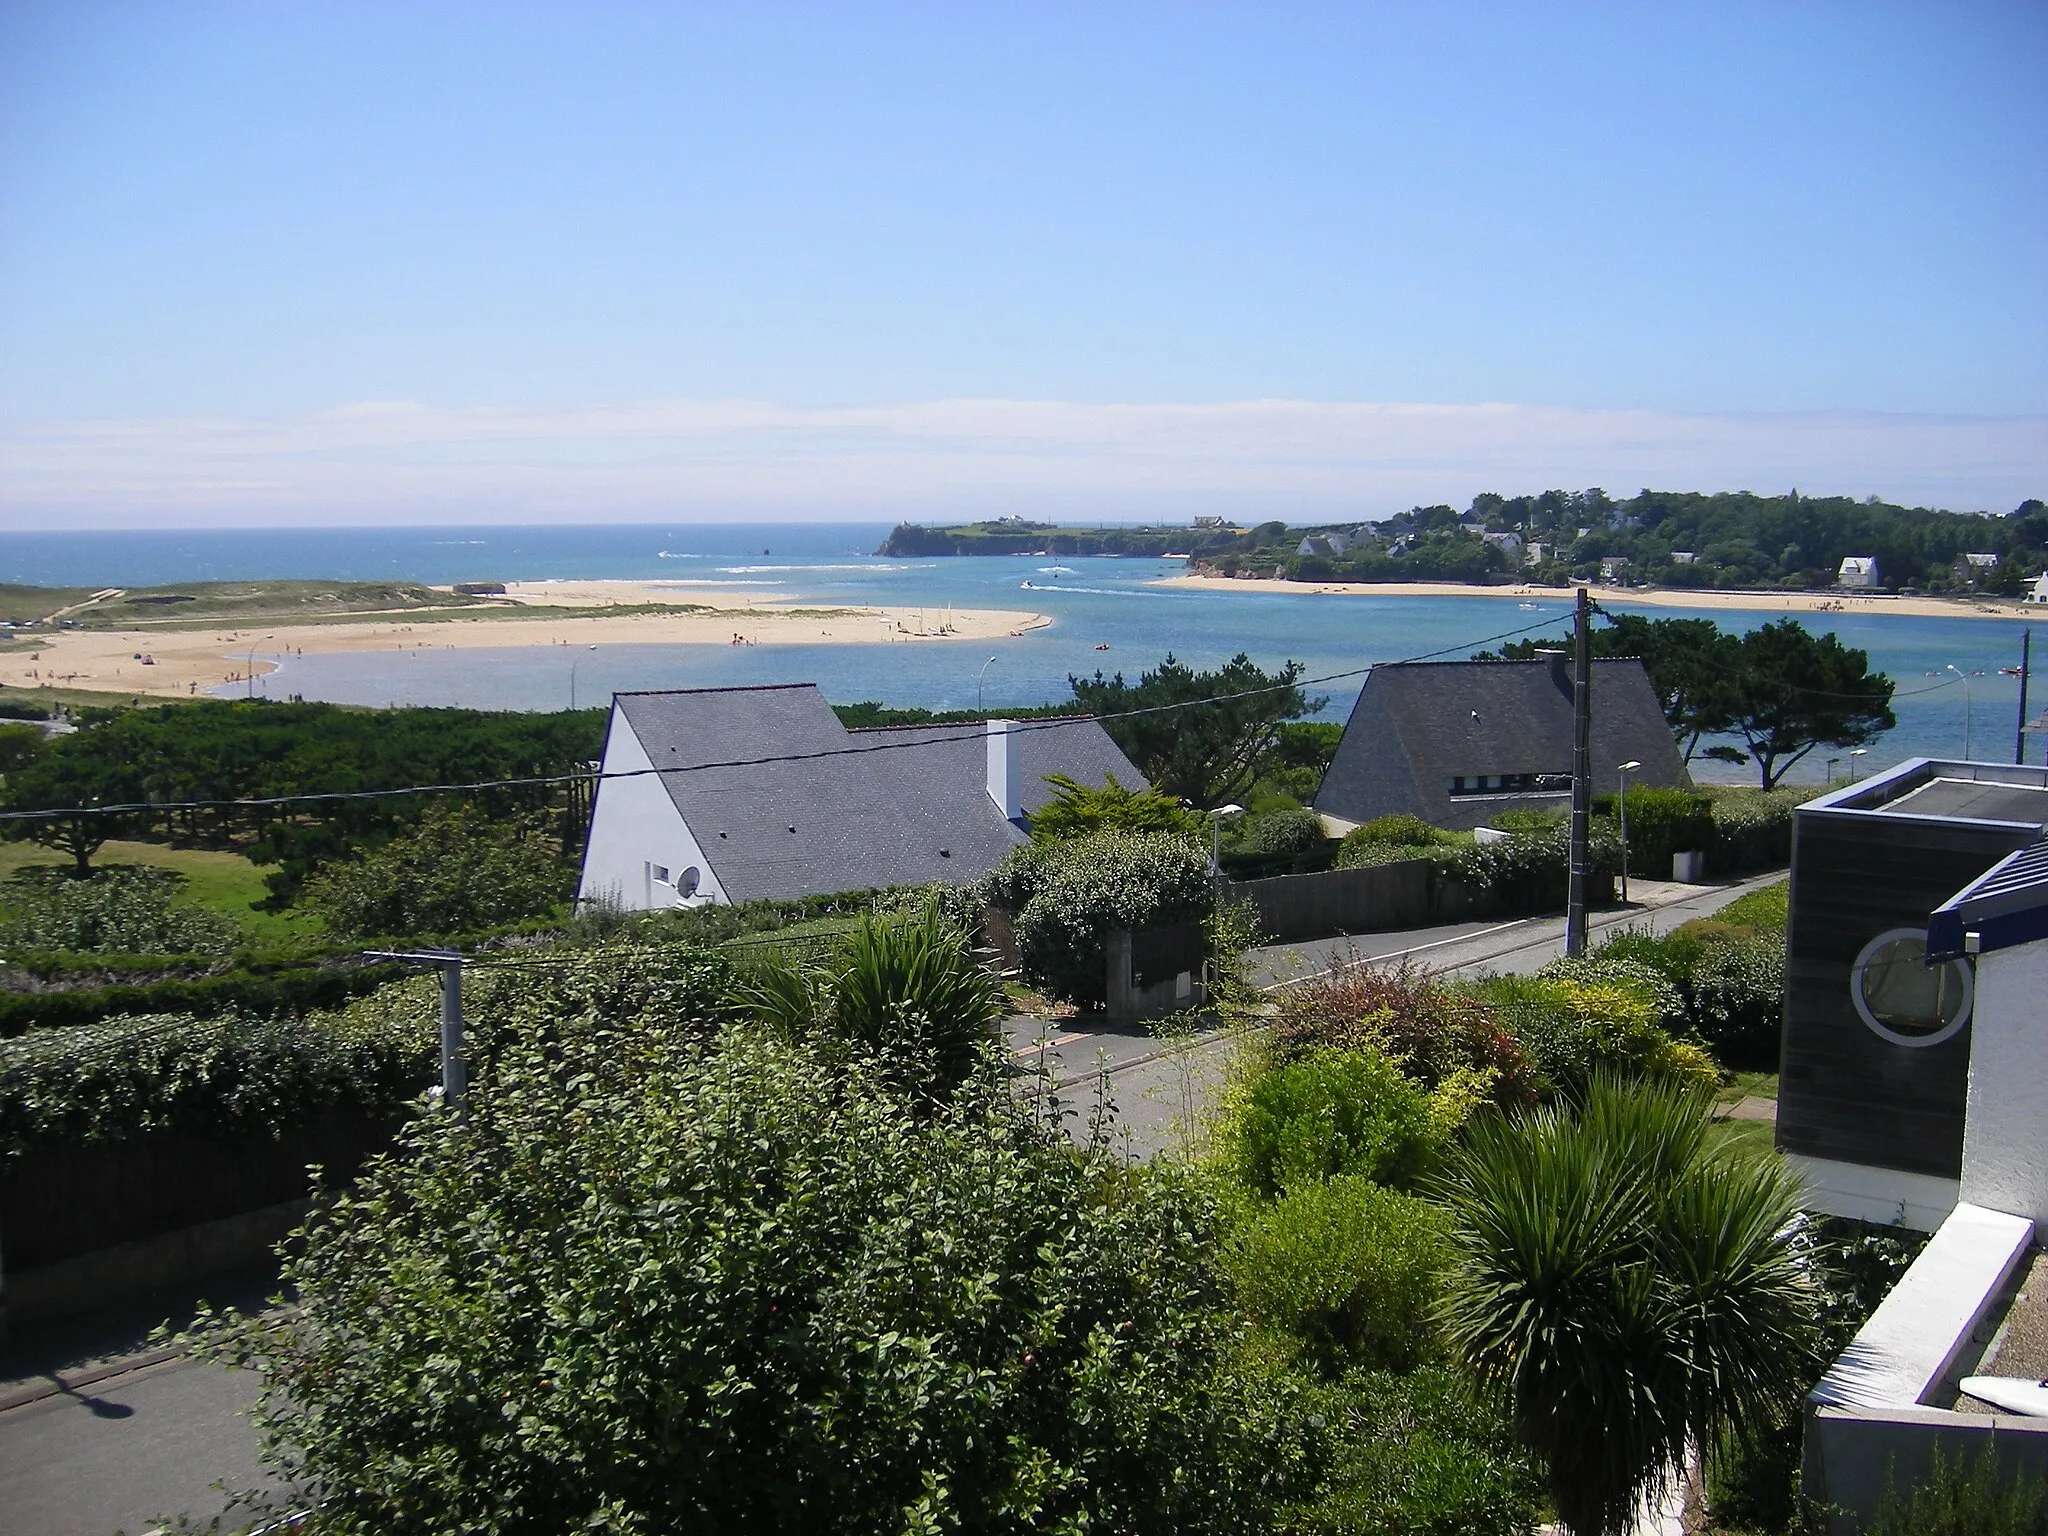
x,y
1960,673
1623,800
978,679
454,1082
1582,776
2019,739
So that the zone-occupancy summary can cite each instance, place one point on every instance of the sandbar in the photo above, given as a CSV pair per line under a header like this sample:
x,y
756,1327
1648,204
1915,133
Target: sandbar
x,y
185,662
1639,597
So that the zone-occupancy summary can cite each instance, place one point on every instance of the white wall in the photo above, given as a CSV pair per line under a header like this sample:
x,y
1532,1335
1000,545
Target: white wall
x,y
634,824
2005,1139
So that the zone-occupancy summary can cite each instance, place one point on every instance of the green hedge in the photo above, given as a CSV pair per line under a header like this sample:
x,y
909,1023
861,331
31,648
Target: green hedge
x,y
155,1072
1661,822
253,992
120,910
236,1073
1752,829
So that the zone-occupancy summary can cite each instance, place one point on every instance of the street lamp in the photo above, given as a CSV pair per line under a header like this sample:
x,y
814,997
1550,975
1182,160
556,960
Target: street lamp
x,y
1854,753
1216,819
978,680
1831,768
572,680
1625,769
1959,672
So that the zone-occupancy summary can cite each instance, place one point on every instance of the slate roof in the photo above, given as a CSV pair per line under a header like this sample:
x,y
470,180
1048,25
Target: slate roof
x,y
1418,725
885,807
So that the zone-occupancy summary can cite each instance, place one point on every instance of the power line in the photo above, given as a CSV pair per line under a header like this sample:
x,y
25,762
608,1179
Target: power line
x,y
537,781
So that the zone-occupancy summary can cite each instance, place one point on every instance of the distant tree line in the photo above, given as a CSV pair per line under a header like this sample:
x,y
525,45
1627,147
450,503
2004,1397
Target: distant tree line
x,y
230,750
1663,538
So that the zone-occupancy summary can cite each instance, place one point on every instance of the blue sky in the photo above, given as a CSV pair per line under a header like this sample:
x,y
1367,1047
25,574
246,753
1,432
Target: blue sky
x,y
1644,225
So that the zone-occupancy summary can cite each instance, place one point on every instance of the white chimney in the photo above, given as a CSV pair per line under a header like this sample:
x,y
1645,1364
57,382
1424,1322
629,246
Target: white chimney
x,y
1002,770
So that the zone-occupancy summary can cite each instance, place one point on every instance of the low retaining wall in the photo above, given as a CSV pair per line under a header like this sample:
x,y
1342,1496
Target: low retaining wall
x,y
87,1225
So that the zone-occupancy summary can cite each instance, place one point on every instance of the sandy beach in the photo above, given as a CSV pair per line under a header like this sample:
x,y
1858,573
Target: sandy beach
x,y
184,663
1635,597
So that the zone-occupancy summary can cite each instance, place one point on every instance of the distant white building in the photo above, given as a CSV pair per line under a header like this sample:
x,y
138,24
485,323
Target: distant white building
x,y
1857,571
1611,567
1536,554
1509,544
1684,556
2038,592
1328,545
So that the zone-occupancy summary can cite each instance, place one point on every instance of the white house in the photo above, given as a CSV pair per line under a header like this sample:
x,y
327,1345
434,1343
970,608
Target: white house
x,y
1509,544
744,794
1684,556
2038,592
1328,545
1857,571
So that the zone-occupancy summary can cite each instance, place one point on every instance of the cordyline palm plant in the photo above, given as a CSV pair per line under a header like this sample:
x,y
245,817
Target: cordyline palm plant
x,y
905,983
1629,1291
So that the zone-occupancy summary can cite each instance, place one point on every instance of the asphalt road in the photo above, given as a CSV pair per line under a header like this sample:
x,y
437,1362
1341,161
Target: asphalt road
x,y
93,1452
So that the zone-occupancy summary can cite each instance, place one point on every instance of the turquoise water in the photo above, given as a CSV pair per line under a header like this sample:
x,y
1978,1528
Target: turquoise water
x,y
1091,602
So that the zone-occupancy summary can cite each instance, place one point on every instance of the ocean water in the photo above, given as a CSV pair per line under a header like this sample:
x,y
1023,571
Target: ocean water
x,y
1093,603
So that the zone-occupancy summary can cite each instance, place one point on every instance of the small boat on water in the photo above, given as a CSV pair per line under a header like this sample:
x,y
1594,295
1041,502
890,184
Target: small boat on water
x,y
1102,646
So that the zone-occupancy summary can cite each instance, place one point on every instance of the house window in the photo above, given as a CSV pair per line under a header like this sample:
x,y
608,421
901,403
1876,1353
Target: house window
x,y
660,873
1903,999
1500,783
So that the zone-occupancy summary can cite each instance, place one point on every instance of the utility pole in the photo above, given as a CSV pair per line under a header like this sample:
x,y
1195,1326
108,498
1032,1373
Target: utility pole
x,y
1582,775
2019,739
454,1081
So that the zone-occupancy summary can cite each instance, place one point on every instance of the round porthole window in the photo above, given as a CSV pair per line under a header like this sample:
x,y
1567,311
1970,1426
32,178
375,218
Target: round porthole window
x,y
1903,998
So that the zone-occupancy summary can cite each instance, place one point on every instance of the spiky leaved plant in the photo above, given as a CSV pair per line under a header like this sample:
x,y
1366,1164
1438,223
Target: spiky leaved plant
x,y
1628,1289
909,983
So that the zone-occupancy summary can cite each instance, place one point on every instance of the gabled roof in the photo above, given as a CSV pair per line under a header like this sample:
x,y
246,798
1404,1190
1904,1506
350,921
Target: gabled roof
x,y
1418,725
868,808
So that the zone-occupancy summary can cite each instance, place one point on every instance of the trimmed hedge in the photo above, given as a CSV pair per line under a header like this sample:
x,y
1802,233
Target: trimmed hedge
x,y
254,992
1752,829
1661,822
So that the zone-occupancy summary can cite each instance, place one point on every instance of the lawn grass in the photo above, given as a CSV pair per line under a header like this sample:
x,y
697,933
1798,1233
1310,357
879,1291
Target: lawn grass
x,y
1748,1085
1762,909
1745,1136
222,882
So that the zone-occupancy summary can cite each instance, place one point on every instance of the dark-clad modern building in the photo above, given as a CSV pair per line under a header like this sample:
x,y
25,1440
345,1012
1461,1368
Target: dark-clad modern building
x,y
1458,742
1874,1067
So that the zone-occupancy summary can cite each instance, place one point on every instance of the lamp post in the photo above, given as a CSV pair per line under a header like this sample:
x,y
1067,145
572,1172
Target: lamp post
x,y
572,680
1959,672
1625,769
1831,768
1854,753
978,678
1216,820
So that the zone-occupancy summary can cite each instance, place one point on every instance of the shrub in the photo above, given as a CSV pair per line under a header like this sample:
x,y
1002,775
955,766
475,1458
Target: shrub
x,y
1329,1113
1662,822
1348,1268
1432,1029
1737,1007
1528,821
908,984
1531,871
455,872
1403,831
652,1284
1076,810
1070,896
1966,1497
1286,833
1573,1029
234,1075
1752,828
121,910
1629,1291
1368,855
1416,1455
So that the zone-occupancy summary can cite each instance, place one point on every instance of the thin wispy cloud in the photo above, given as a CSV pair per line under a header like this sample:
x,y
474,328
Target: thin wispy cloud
x,y
947,459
